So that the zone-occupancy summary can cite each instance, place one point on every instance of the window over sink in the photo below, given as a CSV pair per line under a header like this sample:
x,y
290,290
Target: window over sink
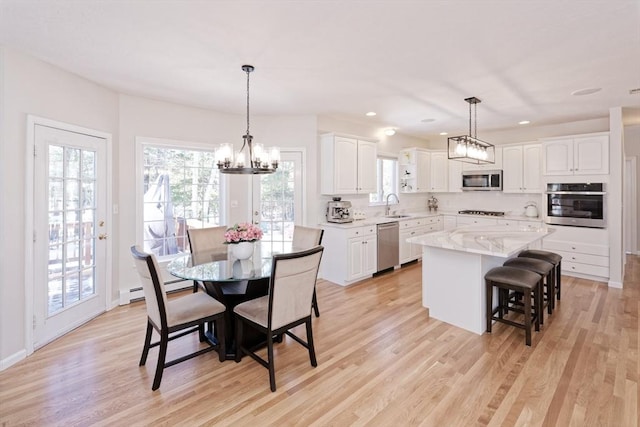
x,y
387,179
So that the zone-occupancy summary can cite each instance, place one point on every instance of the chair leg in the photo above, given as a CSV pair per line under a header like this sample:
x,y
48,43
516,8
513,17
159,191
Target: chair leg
x,y
314,303
195,286
558,284
162,354
312,350
527,320
540,302
222,348
489,304
147,343
272,368
239,325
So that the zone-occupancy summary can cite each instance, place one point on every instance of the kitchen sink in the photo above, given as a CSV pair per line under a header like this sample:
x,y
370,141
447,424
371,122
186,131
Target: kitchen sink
x,y
397,216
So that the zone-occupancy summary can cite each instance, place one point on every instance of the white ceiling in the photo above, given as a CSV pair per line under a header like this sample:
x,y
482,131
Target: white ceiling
x,y
406,60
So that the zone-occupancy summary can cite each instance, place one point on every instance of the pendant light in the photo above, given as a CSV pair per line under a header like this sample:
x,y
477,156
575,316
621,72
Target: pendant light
x,y
468,148
259,160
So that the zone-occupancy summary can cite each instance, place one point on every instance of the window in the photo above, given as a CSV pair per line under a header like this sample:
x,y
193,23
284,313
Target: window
x,y
181,188
387,175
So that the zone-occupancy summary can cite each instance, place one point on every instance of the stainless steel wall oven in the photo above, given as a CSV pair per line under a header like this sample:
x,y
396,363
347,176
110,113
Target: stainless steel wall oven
x,y
577,204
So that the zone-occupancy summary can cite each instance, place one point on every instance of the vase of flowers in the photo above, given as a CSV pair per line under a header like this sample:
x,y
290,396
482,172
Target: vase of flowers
x,y
241,238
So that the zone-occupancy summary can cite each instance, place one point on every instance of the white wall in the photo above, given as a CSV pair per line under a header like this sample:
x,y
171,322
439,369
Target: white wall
x,y
632,149
30,86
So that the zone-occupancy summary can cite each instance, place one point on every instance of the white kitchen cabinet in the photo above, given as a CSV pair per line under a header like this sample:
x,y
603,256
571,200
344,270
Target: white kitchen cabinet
x,y
497,165
520,222
439,172
413,228
522,168
455,176
350,254
348,165
414,170
423,171
475,220
582,250
449,222
578,155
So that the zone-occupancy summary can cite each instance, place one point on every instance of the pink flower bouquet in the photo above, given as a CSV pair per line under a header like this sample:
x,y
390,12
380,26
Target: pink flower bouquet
x,y
243,232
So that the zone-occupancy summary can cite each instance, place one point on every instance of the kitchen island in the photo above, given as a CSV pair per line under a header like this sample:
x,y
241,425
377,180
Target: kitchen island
x,y
454,263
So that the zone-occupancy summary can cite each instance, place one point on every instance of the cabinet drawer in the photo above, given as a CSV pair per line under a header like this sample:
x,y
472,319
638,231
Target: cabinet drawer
x,y
412,223
576,257
361,231
432,220
507,222
585,248
592,270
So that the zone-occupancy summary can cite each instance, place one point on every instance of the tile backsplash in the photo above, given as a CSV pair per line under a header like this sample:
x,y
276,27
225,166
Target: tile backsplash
x,y
510,203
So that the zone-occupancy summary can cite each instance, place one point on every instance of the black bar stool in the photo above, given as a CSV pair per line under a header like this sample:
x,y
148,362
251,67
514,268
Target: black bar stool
x,y
508,279
551,257
547,271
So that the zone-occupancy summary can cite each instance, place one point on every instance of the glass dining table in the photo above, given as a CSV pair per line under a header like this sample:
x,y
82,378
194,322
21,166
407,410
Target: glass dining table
x,y
230,281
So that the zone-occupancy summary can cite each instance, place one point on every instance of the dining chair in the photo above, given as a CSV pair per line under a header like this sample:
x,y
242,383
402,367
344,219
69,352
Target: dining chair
x,y
176,317
209,239
307,238
293,278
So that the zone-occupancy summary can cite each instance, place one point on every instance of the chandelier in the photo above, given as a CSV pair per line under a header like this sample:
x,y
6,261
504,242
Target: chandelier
x,y
259,161
467,148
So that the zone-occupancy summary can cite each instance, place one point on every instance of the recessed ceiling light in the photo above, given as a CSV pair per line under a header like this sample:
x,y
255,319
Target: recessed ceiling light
x,y
370,114
524,122
390,132
428,120
444,133
587,91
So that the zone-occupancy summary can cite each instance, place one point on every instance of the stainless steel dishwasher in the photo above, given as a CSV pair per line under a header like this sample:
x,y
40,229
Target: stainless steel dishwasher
x,y
388,248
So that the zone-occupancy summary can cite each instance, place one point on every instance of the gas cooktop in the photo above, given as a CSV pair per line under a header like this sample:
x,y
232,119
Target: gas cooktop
x,y
487,213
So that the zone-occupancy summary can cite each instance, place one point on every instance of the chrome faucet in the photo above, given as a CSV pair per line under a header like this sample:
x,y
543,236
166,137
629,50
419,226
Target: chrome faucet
x,y
387,207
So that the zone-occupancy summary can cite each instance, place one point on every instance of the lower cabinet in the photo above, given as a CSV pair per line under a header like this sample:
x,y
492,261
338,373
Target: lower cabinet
x,y
475,220
582,251
412,228
350,254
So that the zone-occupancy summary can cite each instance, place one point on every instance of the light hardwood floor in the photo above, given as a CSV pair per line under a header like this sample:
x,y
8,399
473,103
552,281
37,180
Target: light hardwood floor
x,y
381,361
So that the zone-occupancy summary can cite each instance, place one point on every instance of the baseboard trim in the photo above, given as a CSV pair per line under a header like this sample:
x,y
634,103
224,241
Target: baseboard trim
x,y
613,284
13,359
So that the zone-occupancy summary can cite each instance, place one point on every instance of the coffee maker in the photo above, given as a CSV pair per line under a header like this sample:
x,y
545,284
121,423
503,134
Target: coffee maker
x,y
339,211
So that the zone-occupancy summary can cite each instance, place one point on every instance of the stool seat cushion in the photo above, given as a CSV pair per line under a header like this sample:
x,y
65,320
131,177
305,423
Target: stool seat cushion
x,y
536,265
544,255
513,276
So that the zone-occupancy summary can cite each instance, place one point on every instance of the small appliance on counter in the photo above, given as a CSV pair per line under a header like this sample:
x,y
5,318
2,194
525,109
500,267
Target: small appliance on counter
x,y
531,210
339,211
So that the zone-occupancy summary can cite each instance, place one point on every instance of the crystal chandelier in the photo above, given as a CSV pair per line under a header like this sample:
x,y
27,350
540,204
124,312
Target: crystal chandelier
x,y
467,148
260,159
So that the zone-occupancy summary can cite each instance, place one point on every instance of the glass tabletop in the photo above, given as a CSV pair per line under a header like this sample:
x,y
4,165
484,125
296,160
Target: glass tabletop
x,y
210,266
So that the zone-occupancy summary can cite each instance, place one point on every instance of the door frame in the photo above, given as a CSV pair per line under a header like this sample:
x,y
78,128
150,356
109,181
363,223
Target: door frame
x,y
29,251
630,214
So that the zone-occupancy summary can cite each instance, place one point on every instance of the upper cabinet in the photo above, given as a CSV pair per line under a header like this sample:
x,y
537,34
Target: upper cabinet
x,y
422,171
348,164
486,166
439,172
521,168
454,173
578,155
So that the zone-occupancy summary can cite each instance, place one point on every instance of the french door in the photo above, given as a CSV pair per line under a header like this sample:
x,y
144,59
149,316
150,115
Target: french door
x,y
277,203
69,268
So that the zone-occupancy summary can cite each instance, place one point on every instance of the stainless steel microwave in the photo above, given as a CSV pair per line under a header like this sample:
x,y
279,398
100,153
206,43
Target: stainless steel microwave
x,y
482,180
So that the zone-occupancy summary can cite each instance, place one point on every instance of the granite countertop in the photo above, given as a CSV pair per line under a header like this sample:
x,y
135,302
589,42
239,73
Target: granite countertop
x,y
496,240
381,219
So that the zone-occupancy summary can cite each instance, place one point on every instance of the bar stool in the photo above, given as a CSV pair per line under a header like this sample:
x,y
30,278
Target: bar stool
x,y
518,280
551,257
547,271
